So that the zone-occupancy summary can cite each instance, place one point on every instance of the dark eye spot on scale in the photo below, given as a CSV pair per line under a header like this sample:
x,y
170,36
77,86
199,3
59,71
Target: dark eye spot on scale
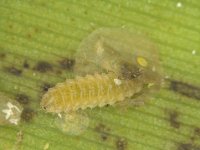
x,y
67,63
22,99
13,71
129,71
43,67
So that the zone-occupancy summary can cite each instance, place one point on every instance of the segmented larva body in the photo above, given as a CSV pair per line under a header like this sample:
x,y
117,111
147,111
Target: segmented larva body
x,y
89,91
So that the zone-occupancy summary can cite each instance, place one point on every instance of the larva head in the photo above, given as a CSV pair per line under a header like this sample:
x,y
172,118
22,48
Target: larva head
x,y
48,103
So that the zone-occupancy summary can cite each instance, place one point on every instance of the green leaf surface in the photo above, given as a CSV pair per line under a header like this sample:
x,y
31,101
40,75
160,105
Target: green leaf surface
x,y
35,31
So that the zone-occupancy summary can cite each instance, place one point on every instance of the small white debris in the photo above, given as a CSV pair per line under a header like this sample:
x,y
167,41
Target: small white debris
x,y
8,113
14,121
34,74
59,115
153,68
46,146
193,52
123,26
179,4
166,77
10,110
10,106
15,87
117,81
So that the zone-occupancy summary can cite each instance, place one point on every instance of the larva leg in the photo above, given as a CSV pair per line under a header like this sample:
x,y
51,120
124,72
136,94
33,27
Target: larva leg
x,y
73,123
136,100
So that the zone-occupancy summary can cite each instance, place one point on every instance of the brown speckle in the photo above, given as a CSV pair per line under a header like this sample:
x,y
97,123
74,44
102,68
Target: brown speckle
x,y
103,131
22,99
121,144
85,12
185,89
2,55
197,131
67,63
196,134
43,66
19,140
173,119
10,26
14,71
36,30
25,64
27,114
72,19
29,35
46,86
188,146
59,72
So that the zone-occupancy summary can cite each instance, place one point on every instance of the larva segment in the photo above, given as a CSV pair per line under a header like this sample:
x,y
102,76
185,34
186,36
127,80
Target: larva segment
x,y
89,91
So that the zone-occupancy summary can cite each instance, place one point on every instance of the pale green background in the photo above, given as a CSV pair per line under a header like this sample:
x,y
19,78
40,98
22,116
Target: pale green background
x,y
48,30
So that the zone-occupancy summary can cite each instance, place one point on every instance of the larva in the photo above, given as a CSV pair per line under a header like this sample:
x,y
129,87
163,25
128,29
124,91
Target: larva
x,y
113,65
89,91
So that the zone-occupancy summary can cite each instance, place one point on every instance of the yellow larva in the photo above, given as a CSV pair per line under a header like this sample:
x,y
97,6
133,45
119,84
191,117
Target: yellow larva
x,y
114,65
89,91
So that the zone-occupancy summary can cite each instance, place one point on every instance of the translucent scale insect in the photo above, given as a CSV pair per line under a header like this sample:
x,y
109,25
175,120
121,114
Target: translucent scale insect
x,y
112,66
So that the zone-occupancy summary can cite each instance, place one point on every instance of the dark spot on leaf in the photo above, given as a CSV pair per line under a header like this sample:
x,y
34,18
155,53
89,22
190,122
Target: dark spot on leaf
x,y
10,26
14,71
43,66
22,98
187,146
129,71
197,131
67,63
121,144
85,12
185,89
25,64
196,134
2,55
29,35
20,137
36,30
173,118
103,130
46,86
27,114
72,19
59,72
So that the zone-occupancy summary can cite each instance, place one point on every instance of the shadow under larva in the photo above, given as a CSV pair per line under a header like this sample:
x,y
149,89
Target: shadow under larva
x,y
112,66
